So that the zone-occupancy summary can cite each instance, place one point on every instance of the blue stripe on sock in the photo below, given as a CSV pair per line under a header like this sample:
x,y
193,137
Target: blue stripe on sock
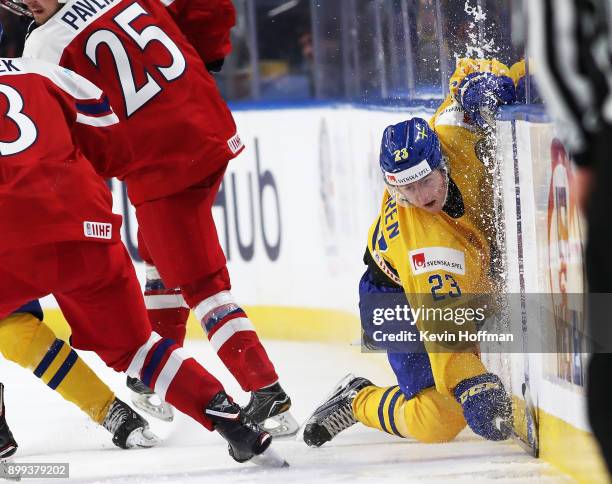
x,y
54,349
212,322
63,370
392,412
149,370
381,408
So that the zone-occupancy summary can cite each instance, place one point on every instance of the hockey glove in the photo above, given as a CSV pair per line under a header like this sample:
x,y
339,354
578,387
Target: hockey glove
x,y
215,66
481,93
485,405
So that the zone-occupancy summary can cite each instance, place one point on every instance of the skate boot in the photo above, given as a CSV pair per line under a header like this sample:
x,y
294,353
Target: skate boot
x,y
246,440
336,413
129,429
269,407
147,400
8,446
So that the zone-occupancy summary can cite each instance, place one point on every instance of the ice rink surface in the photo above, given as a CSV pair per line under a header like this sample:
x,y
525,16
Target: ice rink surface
x,y
50,430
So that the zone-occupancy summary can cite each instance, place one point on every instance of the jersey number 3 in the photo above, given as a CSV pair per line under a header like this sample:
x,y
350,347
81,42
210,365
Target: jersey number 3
x,y
25,126
437,286
136,97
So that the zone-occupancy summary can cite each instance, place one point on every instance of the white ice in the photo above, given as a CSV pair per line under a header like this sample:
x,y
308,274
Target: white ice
x,y
50,430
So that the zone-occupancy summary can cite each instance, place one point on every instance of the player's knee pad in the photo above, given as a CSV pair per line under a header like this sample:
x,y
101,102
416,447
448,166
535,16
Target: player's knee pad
x,y
432,417
24,339
221,318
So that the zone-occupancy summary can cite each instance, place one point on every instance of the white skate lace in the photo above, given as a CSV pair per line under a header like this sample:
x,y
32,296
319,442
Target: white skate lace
x,y
340,420
116,416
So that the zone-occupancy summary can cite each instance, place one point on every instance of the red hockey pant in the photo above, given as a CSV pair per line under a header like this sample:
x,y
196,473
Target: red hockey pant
x,y
97,290
181,239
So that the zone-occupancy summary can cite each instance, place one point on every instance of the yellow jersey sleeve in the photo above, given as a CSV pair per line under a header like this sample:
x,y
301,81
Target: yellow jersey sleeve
x,y
383,234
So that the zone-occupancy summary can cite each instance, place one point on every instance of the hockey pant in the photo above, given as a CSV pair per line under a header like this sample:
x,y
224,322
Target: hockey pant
x,y
178,234
97,290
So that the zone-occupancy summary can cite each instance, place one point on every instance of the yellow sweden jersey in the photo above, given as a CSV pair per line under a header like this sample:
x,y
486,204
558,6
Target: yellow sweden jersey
x,y
438,255
442,260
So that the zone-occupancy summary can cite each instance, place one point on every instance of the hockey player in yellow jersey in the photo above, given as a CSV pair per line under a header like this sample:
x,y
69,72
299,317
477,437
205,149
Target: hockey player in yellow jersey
x,y
26,340
430,250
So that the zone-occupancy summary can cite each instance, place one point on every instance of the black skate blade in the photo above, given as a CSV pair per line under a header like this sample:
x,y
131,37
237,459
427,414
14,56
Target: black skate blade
x,y
4,471
269,458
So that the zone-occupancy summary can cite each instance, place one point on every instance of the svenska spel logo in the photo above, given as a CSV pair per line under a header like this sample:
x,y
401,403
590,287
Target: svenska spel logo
x,y
418,260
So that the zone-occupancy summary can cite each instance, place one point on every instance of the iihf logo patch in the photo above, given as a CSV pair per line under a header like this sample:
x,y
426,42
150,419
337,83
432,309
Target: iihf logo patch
x,y
98,230
235,144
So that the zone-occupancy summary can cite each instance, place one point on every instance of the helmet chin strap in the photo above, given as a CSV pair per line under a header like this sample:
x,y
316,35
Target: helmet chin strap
x,y
446,170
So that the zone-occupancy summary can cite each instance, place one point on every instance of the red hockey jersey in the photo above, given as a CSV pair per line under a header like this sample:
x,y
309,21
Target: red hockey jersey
x,y
177,122
51,122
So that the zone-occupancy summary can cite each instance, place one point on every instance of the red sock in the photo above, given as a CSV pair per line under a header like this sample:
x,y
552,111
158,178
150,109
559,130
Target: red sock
x,y
176,377
233,337
245,357
167,310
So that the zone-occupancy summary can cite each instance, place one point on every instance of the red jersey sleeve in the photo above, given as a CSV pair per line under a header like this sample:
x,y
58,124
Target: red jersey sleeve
x,y
206,24
95,126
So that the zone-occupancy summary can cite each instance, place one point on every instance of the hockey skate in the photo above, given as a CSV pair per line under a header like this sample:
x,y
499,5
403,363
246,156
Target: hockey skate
x,y
8,446
336,413
269,407
246,440
147,400
129,429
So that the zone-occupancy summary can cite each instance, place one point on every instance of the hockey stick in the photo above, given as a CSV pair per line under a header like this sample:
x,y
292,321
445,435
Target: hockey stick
x,y
4,473
533,428
531,444
509,430
15,8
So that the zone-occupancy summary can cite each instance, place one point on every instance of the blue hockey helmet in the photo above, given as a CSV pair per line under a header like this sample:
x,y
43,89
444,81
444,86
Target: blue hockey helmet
x,y
409,151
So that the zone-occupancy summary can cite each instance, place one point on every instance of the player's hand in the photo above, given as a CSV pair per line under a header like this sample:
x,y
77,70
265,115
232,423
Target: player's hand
x,y
482,93
518,73
467,66
481,86
215,66
485,403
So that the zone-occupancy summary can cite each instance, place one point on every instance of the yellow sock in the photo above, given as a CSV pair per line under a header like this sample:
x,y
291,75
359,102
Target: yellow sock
x,y
429,417
31,344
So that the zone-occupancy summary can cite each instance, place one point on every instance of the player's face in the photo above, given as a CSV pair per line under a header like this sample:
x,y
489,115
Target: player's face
x,y
42,10
429,193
